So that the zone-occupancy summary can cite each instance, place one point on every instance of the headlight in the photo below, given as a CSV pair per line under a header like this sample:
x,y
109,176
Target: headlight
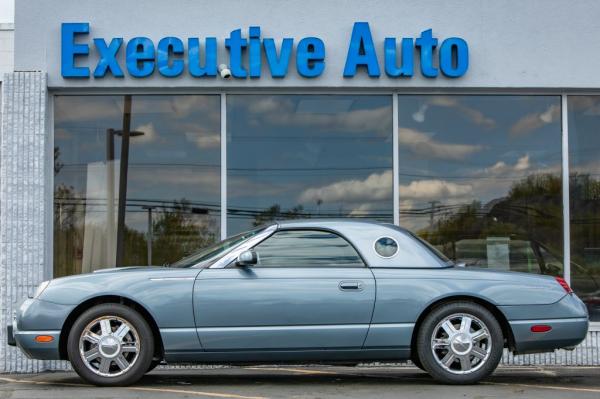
x,y
41,288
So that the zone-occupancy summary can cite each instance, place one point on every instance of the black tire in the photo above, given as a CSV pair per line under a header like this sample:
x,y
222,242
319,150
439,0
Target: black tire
x,y
482,367
153,364
139,365
417,362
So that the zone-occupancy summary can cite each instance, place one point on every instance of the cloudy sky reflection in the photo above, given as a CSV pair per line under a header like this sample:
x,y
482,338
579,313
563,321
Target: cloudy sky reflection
x,y
459,149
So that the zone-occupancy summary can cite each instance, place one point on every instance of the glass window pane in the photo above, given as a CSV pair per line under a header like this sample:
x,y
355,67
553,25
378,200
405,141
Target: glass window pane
x,y
584,160
170,162
306,248
300,156
480,178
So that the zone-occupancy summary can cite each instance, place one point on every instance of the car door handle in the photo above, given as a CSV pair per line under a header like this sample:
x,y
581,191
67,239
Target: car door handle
x,y
351,286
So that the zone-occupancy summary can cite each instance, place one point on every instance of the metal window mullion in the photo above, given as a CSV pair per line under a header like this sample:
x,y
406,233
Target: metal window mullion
x,y
49,194
565,190
396,161
223,166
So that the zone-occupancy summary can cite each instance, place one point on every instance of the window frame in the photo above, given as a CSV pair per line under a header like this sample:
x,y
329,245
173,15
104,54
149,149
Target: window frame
x,y
319,229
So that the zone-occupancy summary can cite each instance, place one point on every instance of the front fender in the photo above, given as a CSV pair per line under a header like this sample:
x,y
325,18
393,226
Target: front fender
x,y
165,293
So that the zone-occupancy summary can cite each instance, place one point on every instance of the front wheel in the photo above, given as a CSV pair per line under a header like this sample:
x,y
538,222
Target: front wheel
x,y
110,345
460,343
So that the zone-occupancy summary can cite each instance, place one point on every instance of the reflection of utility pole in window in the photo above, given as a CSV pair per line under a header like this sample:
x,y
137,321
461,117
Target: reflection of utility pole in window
x,y
125,134
150,231
431,213
319,202
110,194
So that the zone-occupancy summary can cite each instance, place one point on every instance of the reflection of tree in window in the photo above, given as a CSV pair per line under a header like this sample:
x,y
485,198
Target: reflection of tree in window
x,y
532,211
172,169
477,182
274,213
177,234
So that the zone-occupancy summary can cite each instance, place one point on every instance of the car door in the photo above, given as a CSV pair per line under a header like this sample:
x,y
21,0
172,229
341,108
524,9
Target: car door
x,y
309,290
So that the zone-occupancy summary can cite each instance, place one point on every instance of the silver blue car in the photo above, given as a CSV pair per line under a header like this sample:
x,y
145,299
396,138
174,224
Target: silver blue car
x,y
333,292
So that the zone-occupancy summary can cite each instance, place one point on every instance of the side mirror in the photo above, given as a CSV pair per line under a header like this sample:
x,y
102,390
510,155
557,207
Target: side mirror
x,y
246,258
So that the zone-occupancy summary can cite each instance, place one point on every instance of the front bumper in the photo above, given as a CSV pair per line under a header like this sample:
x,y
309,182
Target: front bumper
x,y
36,317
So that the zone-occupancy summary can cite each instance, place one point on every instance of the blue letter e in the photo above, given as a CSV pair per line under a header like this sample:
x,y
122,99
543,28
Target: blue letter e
x,y
69,50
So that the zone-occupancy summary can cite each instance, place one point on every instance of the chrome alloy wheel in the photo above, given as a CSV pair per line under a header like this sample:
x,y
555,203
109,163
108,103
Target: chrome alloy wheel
x,y
109,346
461,343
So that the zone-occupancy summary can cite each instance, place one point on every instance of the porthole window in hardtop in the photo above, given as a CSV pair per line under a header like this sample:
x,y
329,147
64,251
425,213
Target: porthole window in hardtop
x,y
386,247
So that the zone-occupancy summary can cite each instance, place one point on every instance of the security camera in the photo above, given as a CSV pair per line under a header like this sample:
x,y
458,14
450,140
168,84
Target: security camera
x,y
224,71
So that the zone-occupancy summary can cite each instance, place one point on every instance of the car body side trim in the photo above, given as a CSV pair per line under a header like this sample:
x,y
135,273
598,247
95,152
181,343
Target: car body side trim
x,y
171,278
280,328
392,325
549,321
41,332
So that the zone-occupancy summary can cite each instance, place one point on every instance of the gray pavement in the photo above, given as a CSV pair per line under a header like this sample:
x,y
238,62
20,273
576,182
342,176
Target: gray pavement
x,y
313,382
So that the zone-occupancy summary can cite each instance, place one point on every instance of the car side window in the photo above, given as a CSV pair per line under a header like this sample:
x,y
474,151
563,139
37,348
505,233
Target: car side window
x,y
306,248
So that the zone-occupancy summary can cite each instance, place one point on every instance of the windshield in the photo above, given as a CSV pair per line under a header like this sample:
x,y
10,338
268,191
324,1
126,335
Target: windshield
x,y
215,250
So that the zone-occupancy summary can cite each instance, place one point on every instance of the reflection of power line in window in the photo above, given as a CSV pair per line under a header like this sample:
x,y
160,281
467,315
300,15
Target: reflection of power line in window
x,y
195,207
324,168
312,139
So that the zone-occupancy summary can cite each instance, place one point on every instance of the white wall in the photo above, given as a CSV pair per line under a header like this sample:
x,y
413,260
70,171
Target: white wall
x,y
513,43
7,11
6,48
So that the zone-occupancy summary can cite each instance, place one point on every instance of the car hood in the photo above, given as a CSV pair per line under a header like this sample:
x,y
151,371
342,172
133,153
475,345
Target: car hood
x,y
130,269
123,281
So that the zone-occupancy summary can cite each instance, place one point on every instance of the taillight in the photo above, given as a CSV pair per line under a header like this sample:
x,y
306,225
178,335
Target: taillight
x,y
564,284
541,328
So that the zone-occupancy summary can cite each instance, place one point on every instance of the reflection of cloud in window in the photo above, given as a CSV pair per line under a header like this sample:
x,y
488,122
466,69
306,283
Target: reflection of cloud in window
x,y
362,209
427,189
149,135
178,106
161,177
72,109
501,167
284,112
97,108
241,187
422,144
590,167
376,187
586,105
204,139
474,115
536,120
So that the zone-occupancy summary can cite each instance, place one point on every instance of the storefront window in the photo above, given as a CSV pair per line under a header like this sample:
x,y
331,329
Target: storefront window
x,y
169,206
308,156
584,159
480,178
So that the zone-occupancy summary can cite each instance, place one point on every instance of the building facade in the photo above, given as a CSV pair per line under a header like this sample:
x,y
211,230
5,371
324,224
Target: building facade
x,y
133,133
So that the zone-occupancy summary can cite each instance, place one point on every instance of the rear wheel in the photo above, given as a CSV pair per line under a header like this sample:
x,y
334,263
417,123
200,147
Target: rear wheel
x,y
460,343
417,362
110,345
154,364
